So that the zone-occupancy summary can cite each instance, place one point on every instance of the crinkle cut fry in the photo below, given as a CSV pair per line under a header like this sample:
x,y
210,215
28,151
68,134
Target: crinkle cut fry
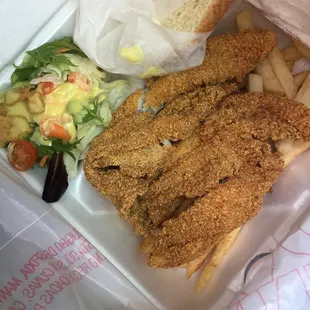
x,y
228,57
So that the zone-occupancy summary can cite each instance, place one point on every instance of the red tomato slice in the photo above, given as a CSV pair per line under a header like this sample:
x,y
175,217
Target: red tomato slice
x,y
47,87
22,154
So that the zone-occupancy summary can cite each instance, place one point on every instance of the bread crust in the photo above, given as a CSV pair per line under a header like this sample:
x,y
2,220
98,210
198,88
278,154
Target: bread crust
x,y
214,14
215,10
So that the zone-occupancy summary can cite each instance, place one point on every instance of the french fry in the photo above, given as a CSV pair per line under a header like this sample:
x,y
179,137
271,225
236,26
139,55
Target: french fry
x,y
291,149
255,83
244,21
219,253
196,263
302,48
290,65
271,83
147,244
303,95
300,78
291,54
282,72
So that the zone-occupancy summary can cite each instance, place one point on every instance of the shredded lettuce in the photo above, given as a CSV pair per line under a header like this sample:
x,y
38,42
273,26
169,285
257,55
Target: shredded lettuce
x,y
38,139
101,107
53,62
59,57
86,133
71,164
88,69
116,92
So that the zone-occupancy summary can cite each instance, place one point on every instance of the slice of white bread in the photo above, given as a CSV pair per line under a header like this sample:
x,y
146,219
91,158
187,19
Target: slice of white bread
x,y
197,15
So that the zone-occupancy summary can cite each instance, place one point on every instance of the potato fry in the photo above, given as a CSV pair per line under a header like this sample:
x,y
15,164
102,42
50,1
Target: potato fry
x,y
290,65
244,21
291,149
282,72
219,253
291,54
303,95
255,83
271,83
300,78
147,243
196,263
302,48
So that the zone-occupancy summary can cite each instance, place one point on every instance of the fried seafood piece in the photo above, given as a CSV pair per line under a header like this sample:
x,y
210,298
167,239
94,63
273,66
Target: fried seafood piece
x,y
5,128
126,119
228,57
217,213
202,170
266,116
225,143
137,163
201,102
144,141
120,189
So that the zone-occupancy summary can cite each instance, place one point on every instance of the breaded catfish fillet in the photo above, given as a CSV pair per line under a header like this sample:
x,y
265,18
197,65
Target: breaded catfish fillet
x,y
263,115
228,57
201,102
234,135
253,119
217,213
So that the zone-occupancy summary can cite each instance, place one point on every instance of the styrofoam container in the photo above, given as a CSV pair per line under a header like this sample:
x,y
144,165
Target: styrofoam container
x,y
96,218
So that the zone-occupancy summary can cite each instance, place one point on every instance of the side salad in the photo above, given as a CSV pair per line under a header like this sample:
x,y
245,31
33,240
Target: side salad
x,y
58,102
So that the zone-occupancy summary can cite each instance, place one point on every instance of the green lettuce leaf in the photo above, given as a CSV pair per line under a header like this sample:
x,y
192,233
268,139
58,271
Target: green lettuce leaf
x,y
46,54
71,164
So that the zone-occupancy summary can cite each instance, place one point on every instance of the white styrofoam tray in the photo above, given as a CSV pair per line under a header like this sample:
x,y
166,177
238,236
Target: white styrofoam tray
x,y
96,218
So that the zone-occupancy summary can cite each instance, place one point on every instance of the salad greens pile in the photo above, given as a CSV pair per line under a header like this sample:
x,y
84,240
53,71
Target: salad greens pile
x,y
65,98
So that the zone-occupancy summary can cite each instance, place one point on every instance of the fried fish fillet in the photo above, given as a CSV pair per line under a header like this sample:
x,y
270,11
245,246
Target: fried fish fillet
x,y
214,154
201,102
228,57
131,149
263,115
122,190
253,118
201,167
215,214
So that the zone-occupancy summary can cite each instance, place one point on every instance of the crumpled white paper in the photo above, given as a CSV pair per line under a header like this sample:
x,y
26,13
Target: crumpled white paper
x,y
105,27
291,15
47,264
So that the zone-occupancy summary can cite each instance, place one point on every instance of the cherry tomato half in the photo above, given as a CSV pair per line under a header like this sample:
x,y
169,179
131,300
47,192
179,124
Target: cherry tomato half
x,y
47,87
22,154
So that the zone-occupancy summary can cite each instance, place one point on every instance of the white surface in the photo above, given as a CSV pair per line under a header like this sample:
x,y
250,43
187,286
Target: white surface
x,y
29,230
23,18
